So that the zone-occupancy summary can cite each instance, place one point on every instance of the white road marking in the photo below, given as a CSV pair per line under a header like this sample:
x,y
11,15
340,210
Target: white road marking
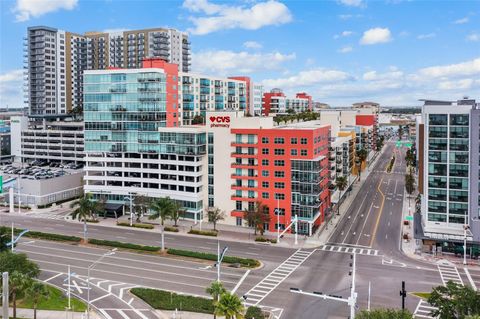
x,y
53,277
472,283
105,314
241,281
99,298
130,302
123,314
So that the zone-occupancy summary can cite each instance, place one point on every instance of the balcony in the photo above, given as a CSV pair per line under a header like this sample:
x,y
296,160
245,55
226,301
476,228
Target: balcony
x,y
243,165
235,176
243,198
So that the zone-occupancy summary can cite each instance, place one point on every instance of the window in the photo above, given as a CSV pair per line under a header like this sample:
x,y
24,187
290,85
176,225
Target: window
x,y
279,151
279,174
265,173
279,140
265,151
279,196
293,152
238,221
303,141
238,205
293,140
264,140
279,185
279,163
265,162
303,152
265,184
279,211
265,195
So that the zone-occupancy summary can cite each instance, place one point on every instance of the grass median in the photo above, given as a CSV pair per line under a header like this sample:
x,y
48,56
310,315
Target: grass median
x,y
165,300
42,235
244,262
56,301
119,244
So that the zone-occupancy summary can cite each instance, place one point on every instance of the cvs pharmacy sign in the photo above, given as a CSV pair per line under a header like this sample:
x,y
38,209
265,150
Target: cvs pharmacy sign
x,y
219,121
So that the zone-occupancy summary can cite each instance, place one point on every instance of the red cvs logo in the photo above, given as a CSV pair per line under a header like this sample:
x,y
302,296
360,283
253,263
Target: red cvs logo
x,y
220,121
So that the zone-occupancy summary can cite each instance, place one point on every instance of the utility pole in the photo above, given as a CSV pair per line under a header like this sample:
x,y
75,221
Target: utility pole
x,y
352,301
465,228
5,300
403,294
13,238
278,220
296,229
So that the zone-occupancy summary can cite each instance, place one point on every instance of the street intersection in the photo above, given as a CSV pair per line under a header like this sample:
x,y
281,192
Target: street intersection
x,y
370,227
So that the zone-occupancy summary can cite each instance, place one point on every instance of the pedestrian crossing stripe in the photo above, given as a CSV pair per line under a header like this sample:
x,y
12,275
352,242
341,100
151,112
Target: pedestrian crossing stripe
x,y
350,250
449,273
423,310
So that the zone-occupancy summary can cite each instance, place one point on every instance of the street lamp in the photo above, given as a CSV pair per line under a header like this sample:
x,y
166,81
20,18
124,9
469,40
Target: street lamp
x,y
130,198
108,253
465,228
220,258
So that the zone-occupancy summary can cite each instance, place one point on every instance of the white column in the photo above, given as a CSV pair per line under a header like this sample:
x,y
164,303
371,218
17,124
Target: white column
x,y
11,197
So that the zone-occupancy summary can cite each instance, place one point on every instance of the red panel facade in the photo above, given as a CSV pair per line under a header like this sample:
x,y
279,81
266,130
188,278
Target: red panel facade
x,y
171,71
365,119
269,150
303,95
267,101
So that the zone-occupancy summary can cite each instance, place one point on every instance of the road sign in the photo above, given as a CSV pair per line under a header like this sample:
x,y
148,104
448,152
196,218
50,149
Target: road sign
x,y
409,218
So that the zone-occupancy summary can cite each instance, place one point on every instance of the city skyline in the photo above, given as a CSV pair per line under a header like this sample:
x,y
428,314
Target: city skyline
x,y
338,51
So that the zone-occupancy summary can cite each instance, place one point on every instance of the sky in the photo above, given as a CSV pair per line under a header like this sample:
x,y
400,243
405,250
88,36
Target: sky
x,y
394,52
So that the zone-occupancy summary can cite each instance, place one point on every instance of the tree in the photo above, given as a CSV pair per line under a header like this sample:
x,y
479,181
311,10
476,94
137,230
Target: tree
x,y
409,184
176,212
84,209
254,313
454,301
215,290
140,206
277,120
37,292
11,262
5,238
257,217
198,119
215,215
361,157
162,208
384,314
341,183
17,284
230,306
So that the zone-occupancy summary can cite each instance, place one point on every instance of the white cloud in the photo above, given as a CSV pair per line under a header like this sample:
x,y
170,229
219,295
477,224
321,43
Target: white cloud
x,y
222,17
308,78
426,36
392,74
453,70
461,21
225,62
252,45
352,3
474,37
376,35
349,16
11,89
26,9
463,84
343,34
345,49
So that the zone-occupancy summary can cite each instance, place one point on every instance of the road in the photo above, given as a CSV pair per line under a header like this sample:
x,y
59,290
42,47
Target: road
x,y
370,228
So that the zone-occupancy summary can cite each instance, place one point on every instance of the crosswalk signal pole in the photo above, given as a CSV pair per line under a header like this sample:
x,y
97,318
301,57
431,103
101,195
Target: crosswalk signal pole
x,y
5,295
403,294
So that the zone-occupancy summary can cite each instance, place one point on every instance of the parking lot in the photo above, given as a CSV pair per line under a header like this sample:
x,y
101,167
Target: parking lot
x,y
38,169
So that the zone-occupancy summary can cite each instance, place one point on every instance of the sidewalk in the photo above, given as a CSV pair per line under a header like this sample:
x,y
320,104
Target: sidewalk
x,y
48,314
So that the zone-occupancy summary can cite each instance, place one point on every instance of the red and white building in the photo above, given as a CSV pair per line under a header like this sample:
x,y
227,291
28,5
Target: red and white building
x,y
276,102
284,167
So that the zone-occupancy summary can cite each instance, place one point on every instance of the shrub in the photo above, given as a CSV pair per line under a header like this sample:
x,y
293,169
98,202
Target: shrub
x,y
143,226
203,232
93,221
246,262
265,240
254,313
40,235
160,299
172,229
119,244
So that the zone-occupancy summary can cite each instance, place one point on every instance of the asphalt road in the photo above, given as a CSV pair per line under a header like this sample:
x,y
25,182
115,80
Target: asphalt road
x,y
371,226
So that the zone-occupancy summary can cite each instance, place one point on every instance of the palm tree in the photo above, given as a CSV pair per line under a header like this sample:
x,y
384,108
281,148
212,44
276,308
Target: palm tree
x,y
176,212
17,285
37,292
361,156
215,290
230,306
84,209
162,208
215,215
341,183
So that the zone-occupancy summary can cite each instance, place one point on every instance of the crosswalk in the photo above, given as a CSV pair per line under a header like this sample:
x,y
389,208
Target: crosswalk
x,y
423,310
46,215
349,250
449,273
276,277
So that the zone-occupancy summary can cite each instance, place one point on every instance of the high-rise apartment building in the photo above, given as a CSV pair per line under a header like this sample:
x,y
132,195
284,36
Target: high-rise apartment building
x,y
276,101
448,159
55,61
